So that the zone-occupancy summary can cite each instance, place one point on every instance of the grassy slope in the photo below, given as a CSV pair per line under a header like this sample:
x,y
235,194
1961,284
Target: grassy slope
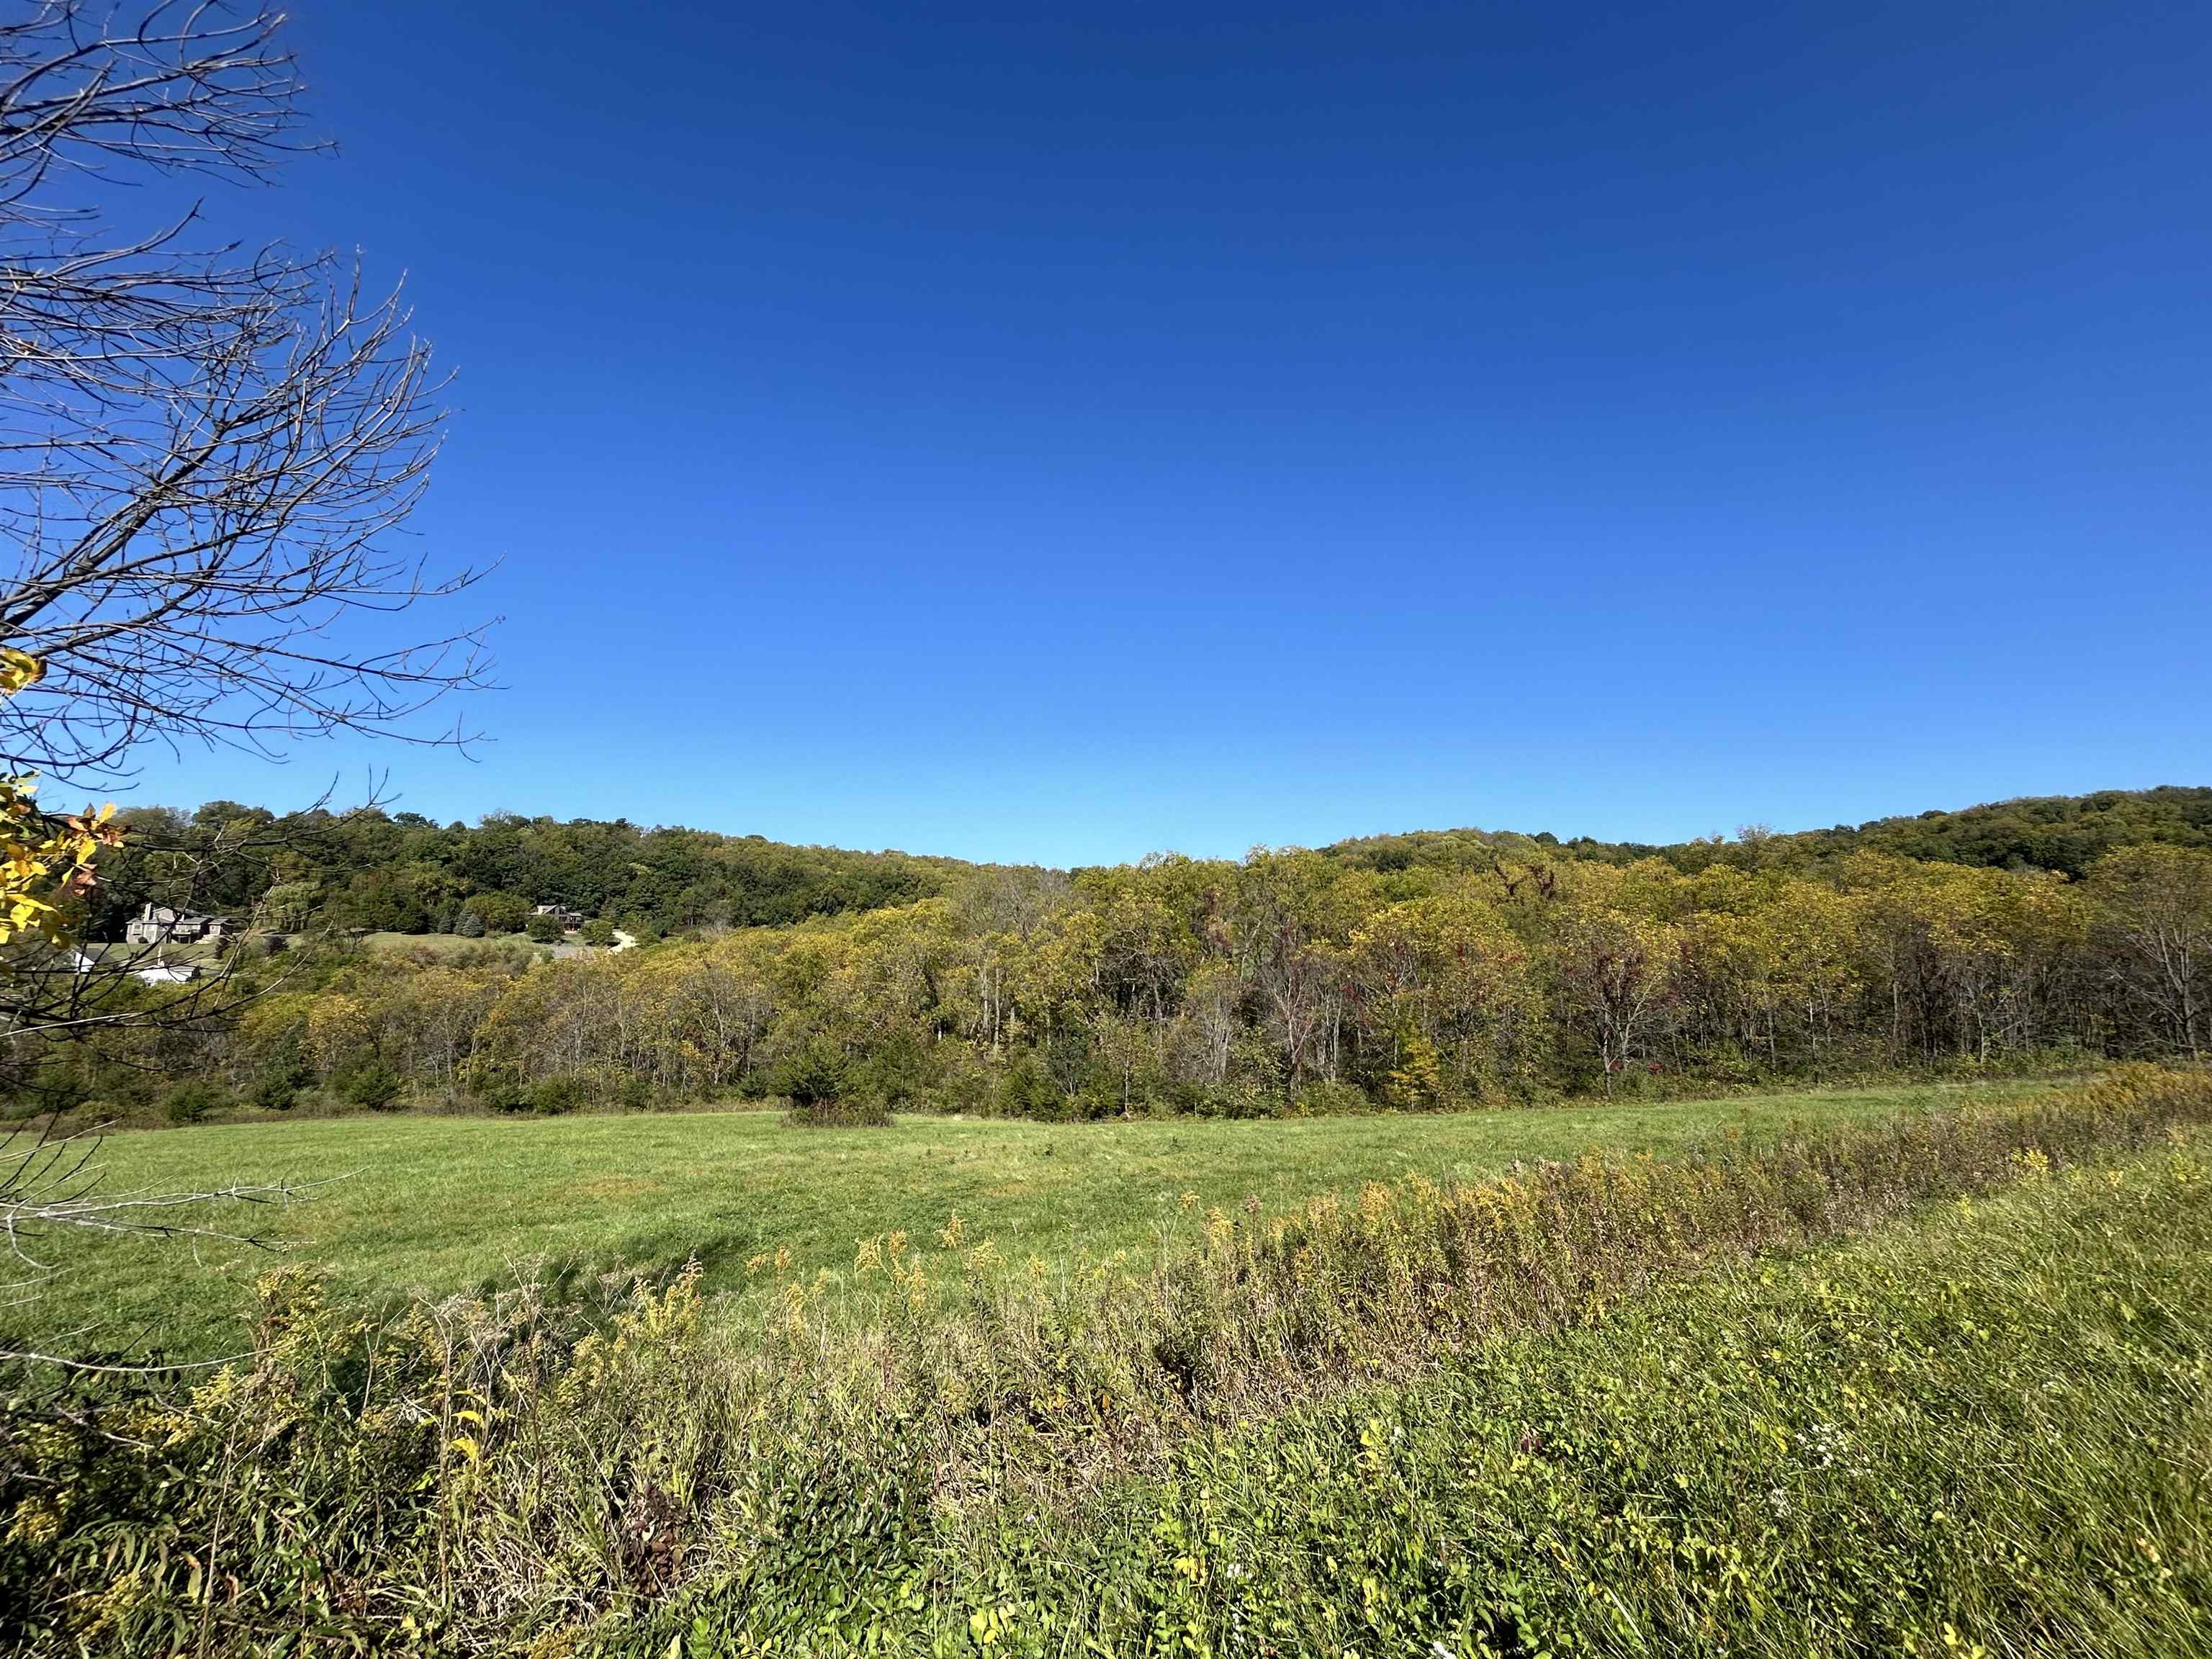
x,y
445,1203
1983,1433
1986,1433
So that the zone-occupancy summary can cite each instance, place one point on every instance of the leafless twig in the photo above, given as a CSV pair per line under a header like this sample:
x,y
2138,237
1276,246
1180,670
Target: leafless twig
x,y
205,452
51,1179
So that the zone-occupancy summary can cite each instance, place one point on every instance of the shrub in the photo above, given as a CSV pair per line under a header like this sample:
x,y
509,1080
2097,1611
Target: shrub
x,y
499,1093
468,925
599,931
1417,1082
854,1112
898,1070
825,1089
552,1096
1023,1089
279,1088
1326,1098
811,1075
545,930
965,1086
371,1084
1240,1097
191,1101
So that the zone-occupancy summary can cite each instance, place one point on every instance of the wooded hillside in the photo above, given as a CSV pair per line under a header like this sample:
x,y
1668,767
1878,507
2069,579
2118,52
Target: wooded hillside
x,y
402,874
1420,971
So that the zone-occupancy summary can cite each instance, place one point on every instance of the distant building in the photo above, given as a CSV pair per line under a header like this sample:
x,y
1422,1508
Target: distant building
x,y
157,924
560,913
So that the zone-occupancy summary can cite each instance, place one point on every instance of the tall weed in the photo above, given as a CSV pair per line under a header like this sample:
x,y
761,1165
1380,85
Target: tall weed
x,y
835,1454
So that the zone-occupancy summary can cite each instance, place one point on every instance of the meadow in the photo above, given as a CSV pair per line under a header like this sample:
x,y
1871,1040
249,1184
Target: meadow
x,y
403,1203
1921,1382
1984,1430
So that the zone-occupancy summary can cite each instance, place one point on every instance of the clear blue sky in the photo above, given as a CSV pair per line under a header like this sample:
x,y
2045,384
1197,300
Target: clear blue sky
x,y
1058,433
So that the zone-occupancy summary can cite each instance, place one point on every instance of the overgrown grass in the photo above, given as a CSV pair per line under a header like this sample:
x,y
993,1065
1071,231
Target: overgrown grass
x,y
1434,1415
447,1204
1986,1433
450,944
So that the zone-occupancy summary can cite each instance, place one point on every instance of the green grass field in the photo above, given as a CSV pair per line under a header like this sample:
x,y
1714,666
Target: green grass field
x,y
1911,1386
447,1204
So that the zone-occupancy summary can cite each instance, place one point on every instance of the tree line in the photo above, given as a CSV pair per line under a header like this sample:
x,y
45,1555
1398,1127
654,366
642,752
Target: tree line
x,y
2066,833
373,871
1491,969
401,872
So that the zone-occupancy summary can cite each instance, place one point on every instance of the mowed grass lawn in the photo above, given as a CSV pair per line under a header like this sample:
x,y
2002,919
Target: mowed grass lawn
x,y
448,1204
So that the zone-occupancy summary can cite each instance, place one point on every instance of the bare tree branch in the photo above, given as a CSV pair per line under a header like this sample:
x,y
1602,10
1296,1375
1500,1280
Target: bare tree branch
x,y
204,453
52,1179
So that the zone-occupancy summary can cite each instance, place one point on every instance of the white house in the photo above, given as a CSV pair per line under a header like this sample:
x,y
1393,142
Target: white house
x,y
158,924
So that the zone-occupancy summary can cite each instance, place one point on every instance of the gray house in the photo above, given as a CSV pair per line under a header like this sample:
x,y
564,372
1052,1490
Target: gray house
x,y
157,924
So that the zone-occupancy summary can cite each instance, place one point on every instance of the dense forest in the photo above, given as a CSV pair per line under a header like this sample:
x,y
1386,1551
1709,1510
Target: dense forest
x,y
401,872
325,872
2065,833
1421,971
